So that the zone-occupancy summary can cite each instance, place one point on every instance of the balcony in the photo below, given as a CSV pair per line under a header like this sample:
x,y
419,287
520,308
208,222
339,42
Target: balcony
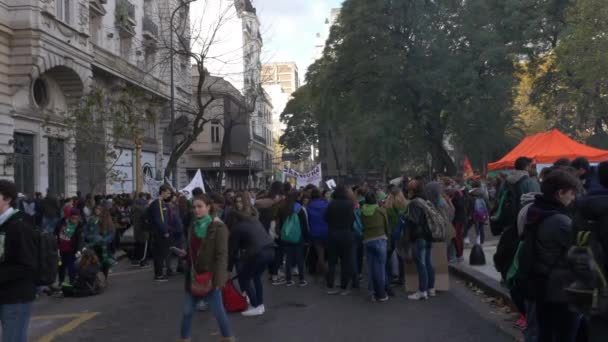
x,y
125,18
150,29
259,138
96,8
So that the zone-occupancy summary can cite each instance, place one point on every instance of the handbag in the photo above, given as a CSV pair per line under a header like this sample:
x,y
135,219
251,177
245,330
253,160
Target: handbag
x,y
200,284
233,300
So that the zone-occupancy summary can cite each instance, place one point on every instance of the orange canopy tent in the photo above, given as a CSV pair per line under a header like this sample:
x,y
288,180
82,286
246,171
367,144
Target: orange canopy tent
x,y
547,148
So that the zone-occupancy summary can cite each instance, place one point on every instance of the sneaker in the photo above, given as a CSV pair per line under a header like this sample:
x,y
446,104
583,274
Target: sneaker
x,y
202,306
135,263
432,293
278,281
383,299
254,311
467,241
144,264
66,284
290,283
295,271
332,292
418,296
303,283
161,279
344,293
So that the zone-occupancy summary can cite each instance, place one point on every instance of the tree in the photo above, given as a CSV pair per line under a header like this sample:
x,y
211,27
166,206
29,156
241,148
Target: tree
x,y
425,70
196,44
573,91
301,124
97,125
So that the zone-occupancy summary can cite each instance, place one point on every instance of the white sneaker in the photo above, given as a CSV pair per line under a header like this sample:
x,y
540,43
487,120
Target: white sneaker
x,y
418,296
478,240
254,311
467,241
432,292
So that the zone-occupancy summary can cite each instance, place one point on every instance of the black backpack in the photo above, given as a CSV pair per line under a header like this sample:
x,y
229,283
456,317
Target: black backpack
x,y
588,294
505,214
47,257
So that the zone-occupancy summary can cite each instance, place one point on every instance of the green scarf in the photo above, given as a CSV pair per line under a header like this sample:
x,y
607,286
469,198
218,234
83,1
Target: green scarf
x,y
69,230
201,225
369,209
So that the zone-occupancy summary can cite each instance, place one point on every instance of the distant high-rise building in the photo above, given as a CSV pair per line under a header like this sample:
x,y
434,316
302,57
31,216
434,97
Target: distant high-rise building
x,y
285,74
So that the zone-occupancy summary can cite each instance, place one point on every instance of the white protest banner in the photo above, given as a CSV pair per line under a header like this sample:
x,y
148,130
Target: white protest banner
x,y
197,182
313,176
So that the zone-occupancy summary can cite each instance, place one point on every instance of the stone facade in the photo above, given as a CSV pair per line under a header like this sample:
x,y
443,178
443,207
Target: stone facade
x,y
52,53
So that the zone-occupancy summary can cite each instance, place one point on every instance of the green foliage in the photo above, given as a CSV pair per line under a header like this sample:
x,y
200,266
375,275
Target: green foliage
x,y
402,76
302,128
573,91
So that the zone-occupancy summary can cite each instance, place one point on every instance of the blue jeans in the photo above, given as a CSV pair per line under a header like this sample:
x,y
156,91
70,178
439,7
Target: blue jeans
x,y
214,300
251,272
15,319
68,262
479,226
375,251
426,273
531,333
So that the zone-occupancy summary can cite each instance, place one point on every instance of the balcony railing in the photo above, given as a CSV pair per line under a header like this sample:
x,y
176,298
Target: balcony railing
x,y
259,138
125,18
150,29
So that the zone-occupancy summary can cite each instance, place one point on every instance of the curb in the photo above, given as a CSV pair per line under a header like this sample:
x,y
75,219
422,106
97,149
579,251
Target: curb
x,y
488,285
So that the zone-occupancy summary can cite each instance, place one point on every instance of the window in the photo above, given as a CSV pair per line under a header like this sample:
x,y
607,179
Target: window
x,y
24,163
215,134
56,166
150,129
41,95
63,10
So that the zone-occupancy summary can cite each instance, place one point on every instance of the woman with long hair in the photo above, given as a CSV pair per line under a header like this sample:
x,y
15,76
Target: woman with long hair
x,y
294,248
99,236
251,250
207,252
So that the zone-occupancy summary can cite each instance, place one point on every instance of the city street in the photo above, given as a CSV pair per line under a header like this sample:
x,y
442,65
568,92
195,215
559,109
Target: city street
x,y
135,308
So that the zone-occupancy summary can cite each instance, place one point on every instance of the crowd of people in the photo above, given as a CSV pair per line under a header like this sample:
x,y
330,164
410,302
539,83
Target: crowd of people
x,y
297,235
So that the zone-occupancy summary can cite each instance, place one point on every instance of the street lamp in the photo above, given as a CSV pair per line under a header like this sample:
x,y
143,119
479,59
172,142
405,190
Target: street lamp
x,y
181,5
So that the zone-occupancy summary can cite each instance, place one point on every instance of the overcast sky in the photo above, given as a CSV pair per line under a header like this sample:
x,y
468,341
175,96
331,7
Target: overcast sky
x,y
289,28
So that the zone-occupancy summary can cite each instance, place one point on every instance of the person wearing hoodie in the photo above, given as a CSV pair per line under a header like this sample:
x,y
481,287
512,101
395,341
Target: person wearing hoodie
x,y
294,250
479,211
318,228
251,250
17,267
550,222
375,239
340,217
593,207
69,233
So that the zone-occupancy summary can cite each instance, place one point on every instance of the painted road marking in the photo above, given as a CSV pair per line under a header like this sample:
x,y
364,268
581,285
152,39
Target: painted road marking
x,y
77,320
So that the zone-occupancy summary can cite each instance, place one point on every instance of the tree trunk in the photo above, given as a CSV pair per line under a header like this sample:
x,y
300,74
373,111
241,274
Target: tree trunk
x,y
223,153
335,153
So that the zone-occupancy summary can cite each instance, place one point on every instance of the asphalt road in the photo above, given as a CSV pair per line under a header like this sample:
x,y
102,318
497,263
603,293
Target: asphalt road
x,y
134,308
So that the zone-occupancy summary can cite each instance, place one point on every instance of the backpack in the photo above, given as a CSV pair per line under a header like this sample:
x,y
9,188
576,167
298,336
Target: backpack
x,y
588,294
480,211
508,207
436,223
47,257
291,231
521,276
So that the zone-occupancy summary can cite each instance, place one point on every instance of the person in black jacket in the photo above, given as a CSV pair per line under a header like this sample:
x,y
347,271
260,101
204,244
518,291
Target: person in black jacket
x,y
251,249
593,208
70,239
340,217
551,271
160,232
17,267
